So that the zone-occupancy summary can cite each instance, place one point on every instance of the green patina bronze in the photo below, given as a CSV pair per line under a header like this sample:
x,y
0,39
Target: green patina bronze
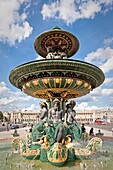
x,y
56,79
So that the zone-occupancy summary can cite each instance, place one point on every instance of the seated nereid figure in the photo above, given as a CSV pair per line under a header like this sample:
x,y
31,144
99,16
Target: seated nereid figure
x,y
70,112
44,111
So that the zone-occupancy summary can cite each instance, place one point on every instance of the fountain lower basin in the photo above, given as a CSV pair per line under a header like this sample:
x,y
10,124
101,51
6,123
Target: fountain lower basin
x,y
102,159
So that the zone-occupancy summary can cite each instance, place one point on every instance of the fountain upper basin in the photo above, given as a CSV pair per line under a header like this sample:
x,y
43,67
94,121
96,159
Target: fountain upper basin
x,y
59,78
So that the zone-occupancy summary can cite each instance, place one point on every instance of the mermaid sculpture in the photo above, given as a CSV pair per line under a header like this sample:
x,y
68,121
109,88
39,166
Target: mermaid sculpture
x,y
44,111
70,115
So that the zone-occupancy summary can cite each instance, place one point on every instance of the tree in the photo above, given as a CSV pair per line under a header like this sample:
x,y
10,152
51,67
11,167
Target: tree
x,y
1,116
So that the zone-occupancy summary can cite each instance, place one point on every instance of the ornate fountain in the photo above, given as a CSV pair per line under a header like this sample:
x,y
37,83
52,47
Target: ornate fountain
x,y
56,79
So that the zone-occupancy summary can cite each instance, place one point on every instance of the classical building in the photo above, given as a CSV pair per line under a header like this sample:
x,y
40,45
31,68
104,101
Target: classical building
x,y
90,116
26,116
29,116
84,116
107,115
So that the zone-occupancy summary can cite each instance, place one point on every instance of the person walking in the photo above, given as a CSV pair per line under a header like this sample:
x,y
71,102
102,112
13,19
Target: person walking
x,y
91,133
83,128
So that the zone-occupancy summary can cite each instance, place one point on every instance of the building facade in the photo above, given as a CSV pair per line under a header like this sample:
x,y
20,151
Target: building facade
x,y
24,116
84,116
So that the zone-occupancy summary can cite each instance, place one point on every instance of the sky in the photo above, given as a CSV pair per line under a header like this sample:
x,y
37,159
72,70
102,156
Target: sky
x,y
21,21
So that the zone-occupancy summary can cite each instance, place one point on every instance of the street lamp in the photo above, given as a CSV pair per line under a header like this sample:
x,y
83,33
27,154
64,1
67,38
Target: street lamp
x,y
85,119
7,120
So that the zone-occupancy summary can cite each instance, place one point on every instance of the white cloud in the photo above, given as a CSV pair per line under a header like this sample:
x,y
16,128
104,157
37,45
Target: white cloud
x,y
89,9
102,57
96,91
32,107
107,91
2,84
13,25
109,81
4,91
9,98
108,66
70,11
84,106
108,41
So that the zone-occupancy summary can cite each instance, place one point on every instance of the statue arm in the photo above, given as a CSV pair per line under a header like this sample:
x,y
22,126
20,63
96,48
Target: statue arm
x,y
43,114
49,114
65,117
62,115
73,114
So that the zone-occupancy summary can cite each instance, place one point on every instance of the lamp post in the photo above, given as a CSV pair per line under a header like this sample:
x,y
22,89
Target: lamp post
x,y
7,120
85,119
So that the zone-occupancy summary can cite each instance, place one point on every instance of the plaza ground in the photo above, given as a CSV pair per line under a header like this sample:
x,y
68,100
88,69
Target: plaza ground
x,y
7,135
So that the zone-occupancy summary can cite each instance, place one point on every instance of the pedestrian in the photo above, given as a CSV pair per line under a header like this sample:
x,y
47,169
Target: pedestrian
x,y
91,133
83,128
99,133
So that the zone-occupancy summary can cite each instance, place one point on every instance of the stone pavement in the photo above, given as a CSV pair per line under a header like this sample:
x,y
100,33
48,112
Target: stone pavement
x,y
106,132
7,135
108,135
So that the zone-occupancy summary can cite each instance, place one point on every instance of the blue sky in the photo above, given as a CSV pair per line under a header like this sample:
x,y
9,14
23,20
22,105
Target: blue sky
x,y
21,21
